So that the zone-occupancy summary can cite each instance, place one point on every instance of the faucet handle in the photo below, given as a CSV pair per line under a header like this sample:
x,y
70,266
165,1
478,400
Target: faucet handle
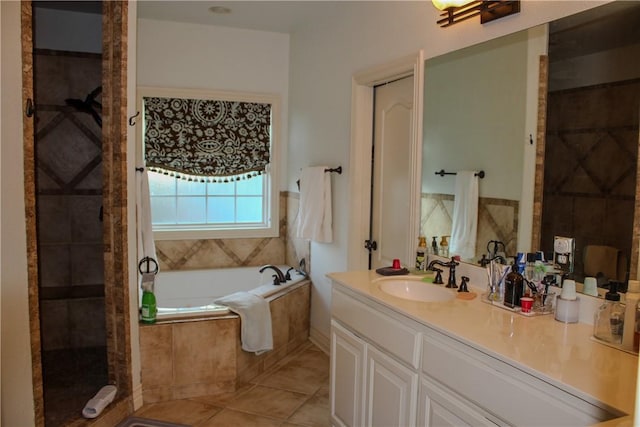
x,y
463,285
438,279
287,275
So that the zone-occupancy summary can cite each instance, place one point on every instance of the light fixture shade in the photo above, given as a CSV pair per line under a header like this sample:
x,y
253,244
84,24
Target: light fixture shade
x,y
446,4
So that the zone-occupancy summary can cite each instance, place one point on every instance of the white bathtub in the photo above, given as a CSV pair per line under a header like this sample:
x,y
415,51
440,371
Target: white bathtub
x,y
187,293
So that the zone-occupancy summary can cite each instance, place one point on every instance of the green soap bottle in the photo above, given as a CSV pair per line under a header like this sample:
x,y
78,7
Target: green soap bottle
x,y
149,308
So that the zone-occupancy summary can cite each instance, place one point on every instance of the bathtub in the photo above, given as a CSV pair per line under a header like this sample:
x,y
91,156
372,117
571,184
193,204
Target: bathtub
x,y
194,348
190,293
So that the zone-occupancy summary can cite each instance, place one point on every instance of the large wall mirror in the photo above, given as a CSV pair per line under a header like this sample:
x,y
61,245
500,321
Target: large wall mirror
x,y
481,109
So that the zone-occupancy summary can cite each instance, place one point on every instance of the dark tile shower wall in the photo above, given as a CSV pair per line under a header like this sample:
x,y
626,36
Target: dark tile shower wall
x,y
590,166
69,199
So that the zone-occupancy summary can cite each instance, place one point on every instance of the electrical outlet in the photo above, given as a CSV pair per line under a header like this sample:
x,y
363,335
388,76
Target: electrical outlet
x,y
563,252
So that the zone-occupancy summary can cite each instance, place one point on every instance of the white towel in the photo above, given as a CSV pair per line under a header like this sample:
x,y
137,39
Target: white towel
x,y
146,244
314,215
255,320
465,216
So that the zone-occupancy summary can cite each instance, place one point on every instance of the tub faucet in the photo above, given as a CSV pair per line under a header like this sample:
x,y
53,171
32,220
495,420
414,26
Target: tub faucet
x,y
451,283
278,278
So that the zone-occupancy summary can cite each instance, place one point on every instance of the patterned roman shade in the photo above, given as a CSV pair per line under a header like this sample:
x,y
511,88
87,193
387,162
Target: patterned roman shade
x,y
204,139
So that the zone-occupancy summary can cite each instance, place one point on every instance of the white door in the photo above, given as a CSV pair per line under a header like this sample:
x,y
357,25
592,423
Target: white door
x,y
392,173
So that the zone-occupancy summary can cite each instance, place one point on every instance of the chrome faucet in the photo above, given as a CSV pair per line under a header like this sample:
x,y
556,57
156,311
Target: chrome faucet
x,y
278,278
451,282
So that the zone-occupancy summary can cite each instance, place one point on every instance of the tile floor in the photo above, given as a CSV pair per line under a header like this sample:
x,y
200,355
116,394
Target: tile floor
x,y
295,392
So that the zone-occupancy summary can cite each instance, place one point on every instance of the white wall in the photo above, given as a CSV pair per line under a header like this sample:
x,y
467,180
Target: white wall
x,y
16,387
325,55
178,55
67,30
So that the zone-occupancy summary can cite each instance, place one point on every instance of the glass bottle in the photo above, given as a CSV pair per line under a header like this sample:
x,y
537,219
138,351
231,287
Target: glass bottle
x,y
444,246
609,319
513,287
421,252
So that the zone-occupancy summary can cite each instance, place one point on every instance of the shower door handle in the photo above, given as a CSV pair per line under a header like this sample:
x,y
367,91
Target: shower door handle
x,y
28,110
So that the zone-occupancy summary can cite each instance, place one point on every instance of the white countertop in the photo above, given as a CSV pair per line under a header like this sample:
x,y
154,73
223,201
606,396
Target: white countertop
x,y
562,354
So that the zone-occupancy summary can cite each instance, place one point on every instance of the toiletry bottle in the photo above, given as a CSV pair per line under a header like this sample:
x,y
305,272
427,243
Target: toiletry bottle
x,y
148,306
631,299
609,319
513,287
444,246
529,268
421,252
434,246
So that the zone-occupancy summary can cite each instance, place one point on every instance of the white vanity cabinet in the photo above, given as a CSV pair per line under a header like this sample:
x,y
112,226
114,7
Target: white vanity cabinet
x,y
440,407
390,370
372,384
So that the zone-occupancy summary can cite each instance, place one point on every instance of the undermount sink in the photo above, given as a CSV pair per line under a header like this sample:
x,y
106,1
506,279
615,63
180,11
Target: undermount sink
x,y
414,289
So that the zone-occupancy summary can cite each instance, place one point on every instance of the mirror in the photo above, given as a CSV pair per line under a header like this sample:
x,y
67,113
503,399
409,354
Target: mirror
x,y
589,156
476,101
474,119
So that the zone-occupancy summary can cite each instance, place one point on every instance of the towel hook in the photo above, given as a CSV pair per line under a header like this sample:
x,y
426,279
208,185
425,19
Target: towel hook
x,y
131,119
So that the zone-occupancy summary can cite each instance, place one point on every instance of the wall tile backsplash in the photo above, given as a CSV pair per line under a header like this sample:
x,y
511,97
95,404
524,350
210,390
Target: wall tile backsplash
x,y
223,253
497,220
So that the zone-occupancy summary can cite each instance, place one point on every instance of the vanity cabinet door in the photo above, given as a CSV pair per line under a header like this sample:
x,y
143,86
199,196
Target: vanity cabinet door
x,y
440,408
391,391
347,377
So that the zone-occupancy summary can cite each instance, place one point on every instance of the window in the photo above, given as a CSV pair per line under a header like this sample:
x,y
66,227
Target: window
x,y
197,204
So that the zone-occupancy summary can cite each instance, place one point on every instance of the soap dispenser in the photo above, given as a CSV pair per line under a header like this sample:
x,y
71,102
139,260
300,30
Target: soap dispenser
x,y
609,319
631,298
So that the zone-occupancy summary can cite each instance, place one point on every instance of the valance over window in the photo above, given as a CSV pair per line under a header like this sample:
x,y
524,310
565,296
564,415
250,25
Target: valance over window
x,y
205,138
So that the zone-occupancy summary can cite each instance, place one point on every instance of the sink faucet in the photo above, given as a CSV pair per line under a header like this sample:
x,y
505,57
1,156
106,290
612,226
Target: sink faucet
x,y
278,278
451,282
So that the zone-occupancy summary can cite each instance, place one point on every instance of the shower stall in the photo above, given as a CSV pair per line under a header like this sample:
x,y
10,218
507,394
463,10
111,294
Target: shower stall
x,y
68,151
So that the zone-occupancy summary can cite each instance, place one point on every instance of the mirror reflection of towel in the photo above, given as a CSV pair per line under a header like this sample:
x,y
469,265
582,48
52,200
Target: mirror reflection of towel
x,y
465,216
314,216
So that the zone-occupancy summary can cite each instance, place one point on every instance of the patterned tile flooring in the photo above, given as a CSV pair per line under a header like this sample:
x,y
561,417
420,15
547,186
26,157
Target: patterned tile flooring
x,y
293,393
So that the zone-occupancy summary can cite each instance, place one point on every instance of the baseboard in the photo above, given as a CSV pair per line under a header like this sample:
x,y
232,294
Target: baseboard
x,y
137,397
320,339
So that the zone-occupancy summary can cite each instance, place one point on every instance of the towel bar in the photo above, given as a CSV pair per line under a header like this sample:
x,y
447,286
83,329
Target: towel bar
x,y
441,172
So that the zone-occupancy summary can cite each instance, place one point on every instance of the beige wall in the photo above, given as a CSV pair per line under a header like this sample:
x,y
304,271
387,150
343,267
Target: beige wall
x,y
17,391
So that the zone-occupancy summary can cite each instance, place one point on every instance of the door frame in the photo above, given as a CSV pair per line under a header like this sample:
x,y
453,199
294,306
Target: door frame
x,y
362,89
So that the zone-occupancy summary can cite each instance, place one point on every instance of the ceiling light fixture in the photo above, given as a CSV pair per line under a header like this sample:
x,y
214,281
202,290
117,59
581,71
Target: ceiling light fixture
x,y
454,11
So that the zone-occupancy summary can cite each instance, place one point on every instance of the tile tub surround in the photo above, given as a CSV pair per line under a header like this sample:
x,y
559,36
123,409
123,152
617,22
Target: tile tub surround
x,y
199,357
497,220
224,253
271,399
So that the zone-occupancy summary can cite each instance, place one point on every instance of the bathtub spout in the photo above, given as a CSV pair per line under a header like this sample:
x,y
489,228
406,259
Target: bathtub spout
x,y
278,278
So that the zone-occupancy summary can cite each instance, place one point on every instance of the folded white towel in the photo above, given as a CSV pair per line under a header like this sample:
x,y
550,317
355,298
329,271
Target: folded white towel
x,y
255,320
465,216
314,217
97,403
